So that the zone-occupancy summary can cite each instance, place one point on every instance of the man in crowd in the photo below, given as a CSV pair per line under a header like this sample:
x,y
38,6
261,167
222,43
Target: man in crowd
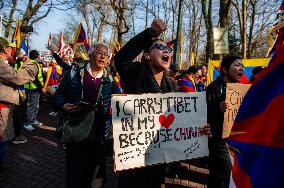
x,y
33,91
11,95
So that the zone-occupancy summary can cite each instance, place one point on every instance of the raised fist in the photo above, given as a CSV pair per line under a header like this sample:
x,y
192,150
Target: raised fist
x,y
158,27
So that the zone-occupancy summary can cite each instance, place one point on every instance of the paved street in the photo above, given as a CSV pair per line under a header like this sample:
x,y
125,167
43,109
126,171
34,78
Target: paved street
x,y
41,161
38,163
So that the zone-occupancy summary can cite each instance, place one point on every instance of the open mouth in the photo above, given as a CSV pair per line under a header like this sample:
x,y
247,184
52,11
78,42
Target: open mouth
x,y
165,58
100,61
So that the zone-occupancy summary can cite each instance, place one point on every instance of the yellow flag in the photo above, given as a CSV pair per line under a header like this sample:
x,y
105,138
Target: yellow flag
x,y
192,58
17,34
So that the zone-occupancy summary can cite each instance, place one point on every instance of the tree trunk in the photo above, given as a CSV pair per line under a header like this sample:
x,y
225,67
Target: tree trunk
x,y
209,28
11,19
224,17
147,11
243,31
252,19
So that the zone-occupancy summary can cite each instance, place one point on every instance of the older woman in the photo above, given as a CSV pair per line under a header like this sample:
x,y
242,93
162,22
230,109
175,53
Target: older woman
x,y
83,90
147,76
220,165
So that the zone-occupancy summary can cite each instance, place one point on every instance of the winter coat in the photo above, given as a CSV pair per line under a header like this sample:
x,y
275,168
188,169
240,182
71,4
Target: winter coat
x,y
70,91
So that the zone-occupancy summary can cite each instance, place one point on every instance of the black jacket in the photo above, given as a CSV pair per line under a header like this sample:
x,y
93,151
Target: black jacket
x,y
215,93
64,65
136,77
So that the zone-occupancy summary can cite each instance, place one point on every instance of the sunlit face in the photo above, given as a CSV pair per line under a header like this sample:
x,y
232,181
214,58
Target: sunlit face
x,y
235,71
204,70
160,59
8,51
68,55
100,57
196,76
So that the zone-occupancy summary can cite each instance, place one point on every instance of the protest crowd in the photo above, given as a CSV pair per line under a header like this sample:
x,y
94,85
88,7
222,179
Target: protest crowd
x,y
80,83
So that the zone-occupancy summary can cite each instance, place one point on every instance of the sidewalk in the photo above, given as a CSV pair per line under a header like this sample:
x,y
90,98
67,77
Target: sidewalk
x,y
38,163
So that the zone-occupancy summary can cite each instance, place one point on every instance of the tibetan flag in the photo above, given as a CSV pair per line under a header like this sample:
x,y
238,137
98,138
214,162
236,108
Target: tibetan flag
x,y
81,37
276,33
49,40
257,138
249,64
61,44
24,48
187,84
171,43
17,34
115,49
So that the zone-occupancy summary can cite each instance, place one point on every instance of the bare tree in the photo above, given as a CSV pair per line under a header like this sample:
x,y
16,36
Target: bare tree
x,y
252,15
32,14
10,19
207,15
194,28
242,15
224,16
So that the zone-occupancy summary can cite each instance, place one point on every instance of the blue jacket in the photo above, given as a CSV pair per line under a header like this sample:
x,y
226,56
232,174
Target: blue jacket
x,y
70,91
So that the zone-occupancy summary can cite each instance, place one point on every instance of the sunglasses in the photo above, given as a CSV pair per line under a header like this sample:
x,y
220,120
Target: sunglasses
x,y
162,47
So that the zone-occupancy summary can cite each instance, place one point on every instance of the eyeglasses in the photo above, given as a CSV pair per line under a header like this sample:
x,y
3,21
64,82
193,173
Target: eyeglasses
x,y
100,53
162,47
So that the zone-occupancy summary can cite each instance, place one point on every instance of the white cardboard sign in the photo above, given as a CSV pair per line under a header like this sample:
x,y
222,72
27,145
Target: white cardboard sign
x,y
158,128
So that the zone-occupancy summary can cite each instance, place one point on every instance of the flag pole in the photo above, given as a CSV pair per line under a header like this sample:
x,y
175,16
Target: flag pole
x,y
177,58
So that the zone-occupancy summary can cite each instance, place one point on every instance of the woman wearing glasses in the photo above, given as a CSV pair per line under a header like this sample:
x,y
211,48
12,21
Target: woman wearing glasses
x,y
147,76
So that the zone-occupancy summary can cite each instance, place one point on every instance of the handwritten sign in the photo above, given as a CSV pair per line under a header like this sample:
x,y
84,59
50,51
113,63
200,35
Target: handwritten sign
x,y
158,128
234,97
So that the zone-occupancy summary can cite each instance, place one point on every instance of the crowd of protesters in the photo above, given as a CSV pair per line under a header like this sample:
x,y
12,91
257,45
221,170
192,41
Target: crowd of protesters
x,y
81,86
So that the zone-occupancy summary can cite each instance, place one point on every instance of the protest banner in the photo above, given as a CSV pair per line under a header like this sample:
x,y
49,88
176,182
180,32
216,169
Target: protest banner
x,y
234,97
158,128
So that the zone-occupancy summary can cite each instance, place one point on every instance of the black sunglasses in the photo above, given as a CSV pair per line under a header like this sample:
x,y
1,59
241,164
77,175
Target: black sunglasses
x,y
162,47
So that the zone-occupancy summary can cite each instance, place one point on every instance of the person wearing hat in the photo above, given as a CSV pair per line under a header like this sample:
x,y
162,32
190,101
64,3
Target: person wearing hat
x,y
11,94
220,166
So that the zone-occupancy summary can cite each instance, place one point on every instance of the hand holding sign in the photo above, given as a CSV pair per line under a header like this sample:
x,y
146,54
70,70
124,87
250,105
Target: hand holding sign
x,y
159,128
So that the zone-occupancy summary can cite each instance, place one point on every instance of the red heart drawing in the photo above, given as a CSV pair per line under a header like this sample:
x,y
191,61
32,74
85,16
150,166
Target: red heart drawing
x,y
166,121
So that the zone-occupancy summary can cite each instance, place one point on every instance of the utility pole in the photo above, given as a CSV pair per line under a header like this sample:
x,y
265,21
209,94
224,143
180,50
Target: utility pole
x,y
177,54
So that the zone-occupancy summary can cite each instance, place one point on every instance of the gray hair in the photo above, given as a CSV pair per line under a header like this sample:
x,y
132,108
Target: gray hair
x,y
94,47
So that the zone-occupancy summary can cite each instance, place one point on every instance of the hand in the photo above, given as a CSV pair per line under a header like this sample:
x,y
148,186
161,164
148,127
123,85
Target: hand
x,y
206,130
158,26
43,90
71,107
23,57
223,106
50,48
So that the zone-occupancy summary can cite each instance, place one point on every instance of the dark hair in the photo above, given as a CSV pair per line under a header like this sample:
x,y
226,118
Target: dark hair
x,y
193,69
33,54
227,61
256,70
148,48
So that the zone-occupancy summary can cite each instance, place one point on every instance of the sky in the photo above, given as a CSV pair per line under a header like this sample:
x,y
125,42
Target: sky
x,y
53,23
